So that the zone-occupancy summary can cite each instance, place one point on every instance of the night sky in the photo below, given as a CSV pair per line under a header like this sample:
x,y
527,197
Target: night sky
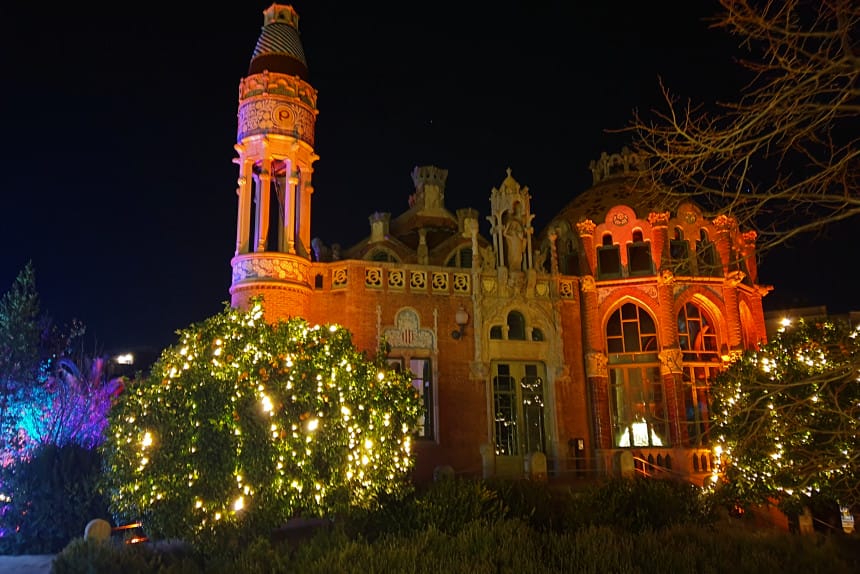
x,y
119,125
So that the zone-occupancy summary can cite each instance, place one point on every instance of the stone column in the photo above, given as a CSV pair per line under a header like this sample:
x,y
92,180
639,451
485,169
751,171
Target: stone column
x,y
243,191
303,224
748,253
671,367
586,233
660,238
264,190
672,375
595,364
733,312
725,225
290,215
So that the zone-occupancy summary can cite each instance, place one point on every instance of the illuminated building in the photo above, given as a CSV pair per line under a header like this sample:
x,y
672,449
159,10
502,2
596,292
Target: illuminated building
x,y
590,342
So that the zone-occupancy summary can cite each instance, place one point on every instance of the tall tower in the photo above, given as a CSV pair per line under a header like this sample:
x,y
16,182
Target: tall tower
x,y
275,146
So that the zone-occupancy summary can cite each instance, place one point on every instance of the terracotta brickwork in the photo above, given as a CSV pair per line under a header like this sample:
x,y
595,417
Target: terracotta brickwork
x,y
529,352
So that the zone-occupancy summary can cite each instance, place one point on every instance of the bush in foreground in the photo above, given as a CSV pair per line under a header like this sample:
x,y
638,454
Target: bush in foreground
x,y
53,496
502,546
244,424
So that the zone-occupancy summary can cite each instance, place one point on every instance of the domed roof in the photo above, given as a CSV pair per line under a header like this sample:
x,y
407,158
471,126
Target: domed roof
x,y
619,179
279,48
595,202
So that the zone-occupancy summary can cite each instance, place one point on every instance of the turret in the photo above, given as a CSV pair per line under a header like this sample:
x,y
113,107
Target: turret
x,y
275,147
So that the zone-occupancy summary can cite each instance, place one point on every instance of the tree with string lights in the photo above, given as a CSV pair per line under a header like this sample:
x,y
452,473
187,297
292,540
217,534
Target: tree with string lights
x,y
787,419
244,424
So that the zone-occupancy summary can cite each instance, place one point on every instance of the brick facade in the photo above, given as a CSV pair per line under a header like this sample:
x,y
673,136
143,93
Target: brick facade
x,y
537,365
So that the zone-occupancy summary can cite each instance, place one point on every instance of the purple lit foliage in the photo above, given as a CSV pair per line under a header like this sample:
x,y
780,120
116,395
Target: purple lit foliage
x,y
72,405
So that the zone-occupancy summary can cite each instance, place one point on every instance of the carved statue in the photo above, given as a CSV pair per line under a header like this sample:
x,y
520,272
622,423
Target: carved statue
x,y
540,259
515,235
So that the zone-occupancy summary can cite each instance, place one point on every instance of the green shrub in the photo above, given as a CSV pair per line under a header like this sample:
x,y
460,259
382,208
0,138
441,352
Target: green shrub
x,y
489,547
393,514
244,424
82,556
451,503
638,504
446,505
53,497
542,506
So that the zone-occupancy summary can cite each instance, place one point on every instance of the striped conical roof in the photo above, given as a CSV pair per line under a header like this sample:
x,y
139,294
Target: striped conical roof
x,y
279,48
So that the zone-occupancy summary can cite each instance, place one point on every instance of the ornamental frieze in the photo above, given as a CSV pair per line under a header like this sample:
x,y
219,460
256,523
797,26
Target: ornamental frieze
x,y
620,218
266,267
462,283
658,219
649,290
278,85
566,290
276,116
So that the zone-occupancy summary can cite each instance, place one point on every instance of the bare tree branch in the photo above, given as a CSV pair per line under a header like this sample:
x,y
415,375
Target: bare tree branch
x,y
783,159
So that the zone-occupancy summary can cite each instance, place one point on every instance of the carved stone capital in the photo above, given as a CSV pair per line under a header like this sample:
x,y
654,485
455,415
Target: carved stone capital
x,y
734,278
749,237
595,365
666,278
659,219
587,284
725,222
671,361
586,228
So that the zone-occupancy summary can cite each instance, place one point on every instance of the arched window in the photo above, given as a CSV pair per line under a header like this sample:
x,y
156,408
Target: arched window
x,y
698,340
637,404
707,259
608,259
631,330
639,256
696,335
679,252
460,258
382,255
516,326
568,257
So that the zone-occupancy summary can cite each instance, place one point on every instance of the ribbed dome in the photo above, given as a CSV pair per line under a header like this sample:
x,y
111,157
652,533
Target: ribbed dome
x,y
595,202
279,48
618,180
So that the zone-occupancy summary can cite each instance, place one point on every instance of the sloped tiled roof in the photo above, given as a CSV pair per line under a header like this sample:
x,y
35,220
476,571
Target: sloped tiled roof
x,y
279,47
